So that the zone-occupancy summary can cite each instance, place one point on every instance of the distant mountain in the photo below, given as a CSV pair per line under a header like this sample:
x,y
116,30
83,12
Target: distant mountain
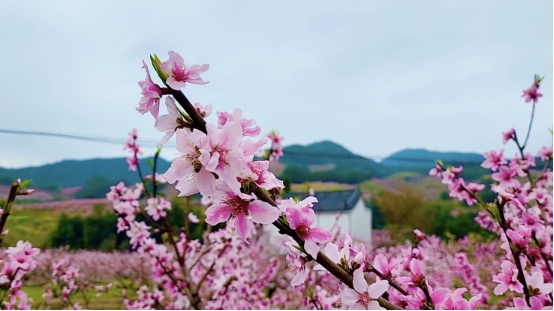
x,y
326,152
327,161
412,158
73,173
320,161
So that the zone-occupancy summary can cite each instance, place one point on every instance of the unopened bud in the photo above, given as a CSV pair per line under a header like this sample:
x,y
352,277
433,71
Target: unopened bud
x,y
26,192
5,233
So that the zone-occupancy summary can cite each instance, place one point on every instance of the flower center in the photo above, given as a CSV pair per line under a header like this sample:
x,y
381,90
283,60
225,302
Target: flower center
x,y
303,231
239,206
364,299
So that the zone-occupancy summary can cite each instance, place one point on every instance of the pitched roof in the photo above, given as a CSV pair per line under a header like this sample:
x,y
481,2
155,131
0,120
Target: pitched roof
x,y
331,201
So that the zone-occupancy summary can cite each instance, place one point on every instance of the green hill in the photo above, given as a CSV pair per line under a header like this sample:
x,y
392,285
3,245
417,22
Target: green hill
x,y
72,173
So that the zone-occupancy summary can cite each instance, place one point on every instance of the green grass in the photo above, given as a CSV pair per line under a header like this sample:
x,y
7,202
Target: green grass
x,y
34,225
111,300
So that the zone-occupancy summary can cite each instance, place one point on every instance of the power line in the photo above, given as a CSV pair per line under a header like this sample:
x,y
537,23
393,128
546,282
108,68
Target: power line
x,y
149,143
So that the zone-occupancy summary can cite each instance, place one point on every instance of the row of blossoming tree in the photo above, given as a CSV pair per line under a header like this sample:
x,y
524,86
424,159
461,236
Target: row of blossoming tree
x,y
236,268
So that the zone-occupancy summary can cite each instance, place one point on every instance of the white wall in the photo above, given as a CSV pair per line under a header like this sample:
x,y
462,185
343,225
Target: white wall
x,y
361,217
357,222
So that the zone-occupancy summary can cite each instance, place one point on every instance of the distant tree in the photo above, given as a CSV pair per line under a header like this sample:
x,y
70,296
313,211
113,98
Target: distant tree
x,y
405,210
96,187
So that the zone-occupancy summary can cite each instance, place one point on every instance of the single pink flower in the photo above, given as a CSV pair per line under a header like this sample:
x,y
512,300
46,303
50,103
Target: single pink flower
x,y
388,269
510,134
157,207
506,176
493,159
507,279
364,296
180,73
151,95
237,207
248,126
532,94
188,168
545,153
301,220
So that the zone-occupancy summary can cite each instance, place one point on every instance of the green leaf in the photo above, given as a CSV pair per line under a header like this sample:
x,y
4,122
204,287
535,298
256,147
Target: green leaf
x,y
24,184
156,63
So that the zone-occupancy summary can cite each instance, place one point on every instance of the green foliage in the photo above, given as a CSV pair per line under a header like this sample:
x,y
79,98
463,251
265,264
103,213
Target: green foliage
x,y
455,219
34,225
6,180
378,220
405,210
71,173
96,187
93,232
299,174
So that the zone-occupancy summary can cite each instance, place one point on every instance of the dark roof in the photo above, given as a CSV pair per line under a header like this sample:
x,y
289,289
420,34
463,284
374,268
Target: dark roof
x,y
331,201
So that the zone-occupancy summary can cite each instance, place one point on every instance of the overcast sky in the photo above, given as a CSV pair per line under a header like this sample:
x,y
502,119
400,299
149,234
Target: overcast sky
x,y
374,76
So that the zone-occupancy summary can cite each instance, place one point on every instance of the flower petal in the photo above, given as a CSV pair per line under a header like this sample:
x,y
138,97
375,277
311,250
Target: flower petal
x,y
262,212
378,288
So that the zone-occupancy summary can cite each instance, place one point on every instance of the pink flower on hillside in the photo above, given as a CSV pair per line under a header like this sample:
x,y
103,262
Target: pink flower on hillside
x,y
493,159
169,123
237,207
507,279
364,296
301,220
151,94
506,176
248,126
180,73
188,169
545,153
510,134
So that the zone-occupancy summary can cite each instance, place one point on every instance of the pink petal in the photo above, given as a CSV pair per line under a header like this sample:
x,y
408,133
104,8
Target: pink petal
x,y
262,212
360,284
299,278
332,251
174,84
218,213
213,163
294,217
439,295
311,248
349,296
320,235
381,263
243,226
378,288
205,182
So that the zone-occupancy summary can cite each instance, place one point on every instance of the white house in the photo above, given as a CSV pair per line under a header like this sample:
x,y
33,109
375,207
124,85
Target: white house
x,y
343,208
